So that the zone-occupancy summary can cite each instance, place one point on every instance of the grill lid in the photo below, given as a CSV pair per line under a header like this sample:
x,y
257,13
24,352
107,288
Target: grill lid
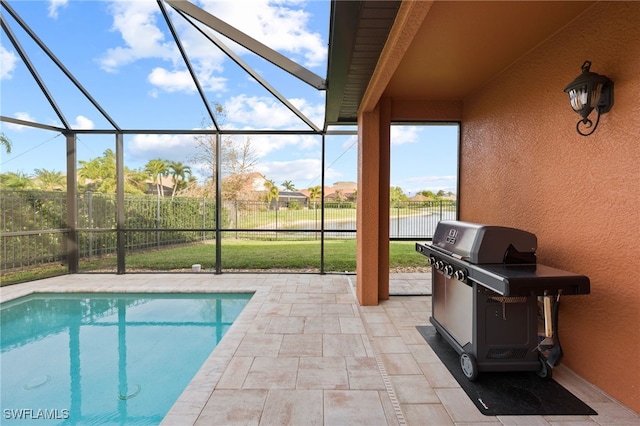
x,y
480,244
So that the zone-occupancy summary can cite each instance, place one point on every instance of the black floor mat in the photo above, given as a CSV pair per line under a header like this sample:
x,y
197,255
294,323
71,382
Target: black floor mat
x,y
507,393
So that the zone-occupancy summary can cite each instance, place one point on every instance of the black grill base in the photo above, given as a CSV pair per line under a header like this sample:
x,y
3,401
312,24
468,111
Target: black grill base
x,y
501,333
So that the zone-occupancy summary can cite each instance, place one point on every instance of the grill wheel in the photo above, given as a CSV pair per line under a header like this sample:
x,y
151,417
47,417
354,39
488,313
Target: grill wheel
x,y
469,366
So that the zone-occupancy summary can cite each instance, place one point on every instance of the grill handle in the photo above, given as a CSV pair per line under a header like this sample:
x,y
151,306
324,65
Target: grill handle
x,y
514,257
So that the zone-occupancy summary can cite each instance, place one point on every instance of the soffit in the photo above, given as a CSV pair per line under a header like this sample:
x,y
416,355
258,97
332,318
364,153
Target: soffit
x,y
461,45
358,32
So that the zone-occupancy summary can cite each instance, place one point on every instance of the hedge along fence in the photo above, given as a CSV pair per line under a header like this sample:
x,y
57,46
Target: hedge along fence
x,y
34,228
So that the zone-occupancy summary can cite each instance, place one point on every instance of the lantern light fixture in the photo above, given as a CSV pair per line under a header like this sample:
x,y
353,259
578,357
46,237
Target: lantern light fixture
x,y
587,92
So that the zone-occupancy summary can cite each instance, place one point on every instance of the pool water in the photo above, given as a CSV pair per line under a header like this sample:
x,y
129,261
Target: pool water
x,y
105,358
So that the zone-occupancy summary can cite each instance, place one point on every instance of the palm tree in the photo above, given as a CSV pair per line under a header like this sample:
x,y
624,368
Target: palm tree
x,y
157,169
272,192
50,180
4,141
288,185
15,181
314,193
179,172
135,181
99,173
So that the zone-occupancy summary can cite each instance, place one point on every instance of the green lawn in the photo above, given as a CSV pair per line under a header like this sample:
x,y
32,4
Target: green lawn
x,y
244,255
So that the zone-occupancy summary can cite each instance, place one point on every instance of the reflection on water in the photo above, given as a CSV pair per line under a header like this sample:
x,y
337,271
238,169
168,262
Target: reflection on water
x,y
105,359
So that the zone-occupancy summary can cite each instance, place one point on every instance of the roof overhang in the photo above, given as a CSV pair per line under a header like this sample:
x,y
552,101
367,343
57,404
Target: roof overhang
x,y
458,47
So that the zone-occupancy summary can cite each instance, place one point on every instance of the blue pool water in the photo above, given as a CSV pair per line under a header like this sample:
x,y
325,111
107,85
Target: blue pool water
x,y
95,359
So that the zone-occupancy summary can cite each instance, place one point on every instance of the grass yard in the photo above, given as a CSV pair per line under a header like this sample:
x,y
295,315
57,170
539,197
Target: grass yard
x,y
242,255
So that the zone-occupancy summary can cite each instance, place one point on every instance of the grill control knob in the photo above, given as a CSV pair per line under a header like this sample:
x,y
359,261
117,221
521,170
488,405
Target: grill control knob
x,y
439,265
432,260
448,270
460,275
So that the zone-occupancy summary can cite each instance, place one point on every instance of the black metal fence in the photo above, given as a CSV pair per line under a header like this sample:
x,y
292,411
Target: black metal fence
x,y
34,229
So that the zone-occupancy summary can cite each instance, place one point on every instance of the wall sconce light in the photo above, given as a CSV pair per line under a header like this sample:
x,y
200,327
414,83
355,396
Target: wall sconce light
x,y
588,91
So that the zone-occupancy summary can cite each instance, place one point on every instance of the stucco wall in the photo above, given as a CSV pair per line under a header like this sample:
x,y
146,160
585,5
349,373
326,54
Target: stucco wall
x,y
524,165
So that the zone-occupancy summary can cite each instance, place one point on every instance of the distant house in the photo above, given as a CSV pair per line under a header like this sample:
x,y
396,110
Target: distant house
x,y
343,191
286,198
245,187
328,191
167,186
420,197
340,191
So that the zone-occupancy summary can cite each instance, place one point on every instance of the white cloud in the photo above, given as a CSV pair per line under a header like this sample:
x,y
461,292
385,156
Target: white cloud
x,y
83,123
181,81
175,147
54,5
404,134
264,145
301,171
269,113
7,63
282,25
24,116
172,81
136,22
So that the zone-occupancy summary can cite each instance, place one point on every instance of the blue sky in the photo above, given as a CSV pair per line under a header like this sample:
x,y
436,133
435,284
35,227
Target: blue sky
x,y
123,54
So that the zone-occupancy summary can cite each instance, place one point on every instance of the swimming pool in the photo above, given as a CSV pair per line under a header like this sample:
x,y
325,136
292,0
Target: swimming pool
x,y
106,358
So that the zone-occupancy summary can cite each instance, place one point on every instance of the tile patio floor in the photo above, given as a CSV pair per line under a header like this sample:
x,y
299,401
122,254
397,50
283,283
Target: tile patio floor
x,y
303,352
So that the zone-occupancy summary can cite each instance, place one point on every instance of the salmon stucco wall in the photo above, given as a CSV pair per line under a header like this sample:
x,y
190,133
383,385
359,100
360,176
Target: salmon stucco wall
x,y
524,165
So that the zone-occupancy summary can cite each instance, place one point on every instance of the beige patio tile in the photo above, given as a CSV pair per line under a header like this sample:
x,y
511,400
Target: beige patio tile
x,y
612,413
426,414
259,324
307,298
306,310
343,345
272,373
397,312
423,354
258,344
351,325
275,309
400,364
578,386
285,325
289,407
301,345
322,325
524,421
413,389
353,407
322,373
438,375
344,298
390,345
235,374
299,334
337,309
233,407
383,329
411,336
459,406
364,373
375,317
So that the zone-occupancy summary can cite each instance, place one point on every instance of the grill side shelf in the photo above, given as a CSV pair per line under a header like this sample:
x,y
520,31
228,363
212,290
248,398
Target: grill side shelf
x,y
515,280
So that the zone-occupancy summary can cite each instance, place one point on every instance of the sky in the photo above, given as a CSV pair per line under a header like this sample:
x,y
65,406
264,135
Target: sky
x,y
123,54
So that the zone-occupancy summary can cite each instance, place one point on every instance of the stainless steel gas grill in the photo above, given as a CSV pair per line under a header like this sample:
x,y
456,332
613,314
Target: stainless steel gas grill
x,y
486,291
